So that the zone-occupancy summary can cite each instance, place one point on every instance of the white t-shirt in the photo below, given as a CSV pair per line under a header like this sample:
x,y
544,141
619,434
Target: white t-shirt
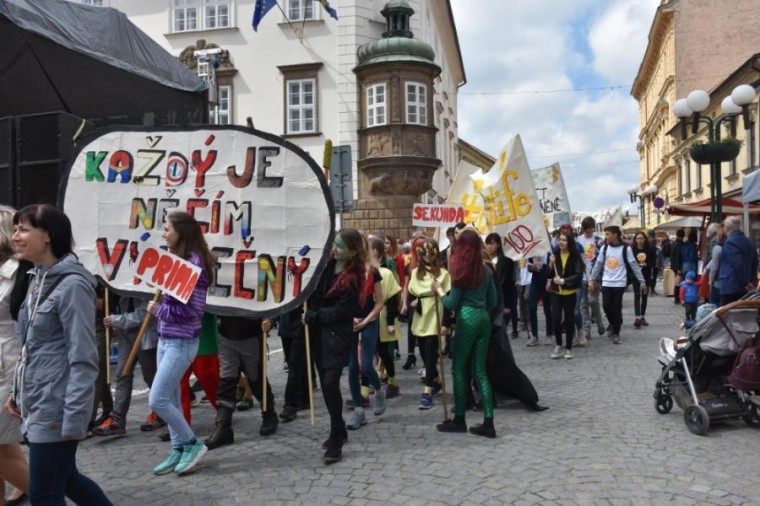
x,y
590,247
615,274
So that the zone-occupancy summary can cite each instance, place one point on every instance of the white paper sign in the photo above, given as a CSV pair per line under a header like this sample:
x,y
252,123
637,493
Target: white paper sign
x,y
552,196
262,203
437,215
169,273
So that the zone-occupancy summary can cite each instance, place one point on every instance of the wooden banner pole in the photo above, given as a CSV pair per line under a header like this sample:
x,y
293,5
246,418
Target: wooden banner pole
x,y
308,365
138,340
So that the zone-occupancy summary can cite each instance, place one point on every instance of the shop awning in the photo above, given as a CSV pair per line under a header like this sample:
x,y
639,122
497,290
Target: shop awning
x,y
685,222
702,207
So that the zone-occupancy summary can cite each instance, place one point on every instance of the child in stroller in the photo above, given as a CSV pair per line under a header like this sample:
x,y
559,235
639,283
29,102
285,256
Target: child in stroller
x,y
697,370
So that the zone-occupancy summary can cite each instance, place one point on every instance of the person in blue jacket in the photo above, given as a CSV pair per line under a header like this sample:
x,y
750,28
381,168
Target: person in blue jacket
x,y
738,263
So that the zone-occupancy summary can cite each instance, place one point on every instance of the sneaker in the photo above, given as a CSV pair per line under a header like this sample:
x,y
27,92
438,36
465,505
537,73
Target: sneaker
x,y
269,423
392,391
288,414
426,401
637,323
168,465
421,372
557,353
568,355
245,404
615,339
644,322
357,421
152,422
601,330
191,454
379,407
609,331
451,426
533,341
343,438
110,427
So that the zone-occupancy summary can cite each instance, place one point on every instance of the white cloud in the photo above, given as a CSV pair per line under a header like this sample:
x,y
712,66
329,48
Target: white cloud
x,y
527,46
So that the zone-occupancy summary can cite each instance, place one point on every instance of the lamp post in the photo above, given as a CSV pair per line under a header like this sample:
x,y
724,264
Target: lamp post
x,y
714,152
635,195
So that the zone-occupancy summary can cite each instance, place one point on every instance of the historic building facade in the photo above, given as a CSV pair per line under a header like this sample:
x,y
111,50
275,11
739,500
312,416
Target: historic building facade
x,y
693,44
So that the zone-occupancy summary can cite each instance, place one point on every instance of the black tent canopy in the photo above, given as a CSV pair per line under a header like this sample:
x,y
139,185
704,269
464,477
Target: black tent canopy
x,y
91,62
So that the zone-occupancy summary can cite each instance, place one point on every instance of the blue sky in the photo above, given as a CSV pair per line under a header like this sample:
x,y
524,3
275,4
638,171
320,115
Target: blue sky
x,y
523,50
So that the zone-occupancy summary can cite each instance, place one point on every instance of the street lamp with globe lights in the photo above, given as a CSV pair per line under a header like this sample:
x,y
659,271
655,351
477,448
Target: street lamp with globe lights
x,y
635,195
714,152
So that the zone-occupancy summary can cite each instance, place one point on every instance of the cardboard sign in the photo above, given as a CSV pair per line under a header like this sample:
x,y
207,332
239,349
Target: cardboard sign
x,y
262,203
552,196
435,215
167,272
511,205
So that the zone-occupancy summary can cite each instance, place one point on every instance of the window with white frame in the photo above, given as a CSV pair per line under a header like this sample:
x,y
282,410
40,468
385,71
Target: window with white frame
x,y
301,106
301,10
416,104
189,15
376,105
224,108
184,15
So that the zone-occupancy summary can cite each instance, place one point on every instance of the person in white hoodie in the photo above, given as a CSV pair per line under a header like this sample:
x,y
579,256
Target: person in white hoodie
x,y
614,268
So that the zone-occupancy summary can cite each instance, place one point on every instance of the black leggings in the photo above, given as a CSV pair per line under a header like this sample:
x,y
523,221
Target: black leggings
x,y
429,351
330,381
411,339
564,305
385,350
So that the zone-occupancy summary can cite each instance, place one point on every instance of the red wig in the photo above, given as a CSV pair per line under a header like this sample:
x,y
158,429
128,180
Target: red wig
x,y
466,262
354,275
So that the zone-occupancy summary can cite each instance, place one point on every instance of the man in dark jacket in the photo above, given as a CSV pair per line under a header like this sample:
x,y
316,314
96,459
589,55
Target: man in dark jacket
x,y
676,263
738,263
240,351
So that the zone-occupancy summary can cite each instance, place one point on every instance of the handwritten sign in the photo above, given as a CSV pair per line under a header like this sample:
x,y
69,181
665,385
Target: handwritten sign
x,y
262,203
511,204
434,215
552,196
170,273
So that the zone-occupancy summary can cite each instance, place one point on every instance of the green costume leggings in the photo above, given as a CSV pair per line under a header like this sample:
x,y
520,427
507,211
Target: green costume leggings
x,y
470,346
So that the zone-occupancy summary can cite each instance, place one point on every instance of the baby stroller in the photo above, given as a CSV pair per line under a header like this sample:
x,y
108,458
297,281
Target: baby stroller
x,y
697,371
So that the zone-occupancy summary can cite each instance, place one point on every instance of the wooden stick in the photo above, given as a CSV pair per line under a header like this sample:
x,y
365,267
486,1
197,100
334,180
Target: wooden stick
x,y
308,365
440,359
264,360
138,340
107,311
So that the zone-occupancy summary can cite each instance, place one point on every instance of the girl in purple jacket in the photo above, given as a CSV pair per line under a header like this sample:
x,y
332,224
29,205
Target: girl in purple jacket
x,y
179,328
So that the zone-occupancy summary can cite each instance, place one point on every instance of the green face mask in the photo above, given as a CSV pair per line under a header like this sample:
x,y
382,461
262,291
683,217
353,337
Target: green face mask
x,y
340,250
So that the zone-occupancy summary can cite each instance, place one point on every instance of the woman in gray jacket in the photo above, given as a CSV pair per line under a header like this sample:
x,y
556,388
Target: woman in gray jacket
x,y
53,384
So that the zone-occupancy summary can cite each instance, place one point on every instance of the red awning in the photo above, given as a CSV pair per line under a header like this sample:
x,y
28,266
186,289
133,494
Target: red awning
x,y
702,207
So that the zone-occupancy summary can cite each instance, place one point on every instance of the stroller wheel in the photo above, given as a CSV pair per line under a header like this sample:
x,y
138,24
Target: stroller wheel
x,y
697,420
663,404
753,417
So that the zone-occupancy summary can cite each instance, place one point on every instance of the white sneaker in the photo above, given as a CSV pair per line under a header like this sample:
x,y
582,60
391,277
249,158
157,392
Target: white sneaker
x,y
557,353
533,341
568,355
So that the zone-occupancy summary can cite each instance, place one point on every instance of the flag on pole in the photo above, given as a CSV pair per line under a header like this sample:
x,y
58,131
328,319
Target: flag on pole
x,y
260,10
332,12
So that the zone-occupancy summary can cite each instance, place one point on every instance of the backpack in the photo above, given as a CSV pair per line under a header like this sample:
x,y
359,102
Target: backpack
x,y
745,375
630,277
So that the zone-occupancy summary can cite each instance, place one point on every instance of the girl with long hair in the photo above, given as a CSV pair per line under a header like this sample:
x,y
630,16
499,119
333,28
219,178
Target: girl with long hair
x,y
407,302
566,274
646,257
472,296
55,377
179,327
388,336
427,321
332,307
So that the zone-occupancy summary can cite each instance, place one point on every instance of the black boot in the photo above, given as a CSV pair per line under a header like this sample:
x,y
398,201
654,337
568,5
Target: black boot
x,y
485,429
269,422
411,361
456,425
222,434
333,450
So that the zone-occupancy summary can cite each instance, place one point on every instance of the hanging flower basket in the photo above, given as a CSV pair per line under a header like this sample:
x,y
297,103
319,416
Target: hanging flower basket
x,y
714,152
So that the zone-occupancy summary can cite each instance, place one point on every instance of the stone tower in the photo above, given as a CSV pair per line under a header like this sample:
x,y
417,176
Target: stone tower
x,y
397,145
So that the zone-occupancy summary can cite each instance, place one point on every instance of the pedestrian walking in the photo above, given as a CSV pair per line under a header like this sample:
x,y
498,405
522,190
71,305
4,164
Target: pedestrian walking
x,y
646,256
539,269
54,379
590,307
179,327
567,268
738,263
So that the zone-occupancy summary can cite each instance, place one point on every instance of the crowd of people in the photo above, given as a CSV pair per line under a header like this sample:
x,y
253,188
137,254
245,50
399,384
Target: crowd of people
x,y
459,303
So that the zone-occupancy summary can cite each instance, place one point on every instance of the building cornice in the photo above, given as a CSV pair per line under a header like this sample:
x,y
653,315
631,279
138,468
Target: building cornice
x,y
661,26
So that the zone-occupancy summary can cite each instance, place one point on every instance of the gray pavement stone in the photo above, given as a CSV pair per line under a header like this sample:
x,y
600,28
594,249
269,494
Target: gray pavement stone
x,y
601,442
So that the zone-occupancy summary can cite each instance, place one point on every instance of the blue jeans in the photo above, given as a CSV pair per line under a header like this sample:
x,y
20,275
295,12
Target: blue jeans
x,y
53,476
174,357
370,336
538,291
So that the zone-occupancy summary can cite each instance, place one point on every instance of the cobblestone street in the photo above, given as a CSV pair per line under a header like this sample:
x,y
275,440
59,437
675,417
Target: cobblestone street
x,y
602,442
